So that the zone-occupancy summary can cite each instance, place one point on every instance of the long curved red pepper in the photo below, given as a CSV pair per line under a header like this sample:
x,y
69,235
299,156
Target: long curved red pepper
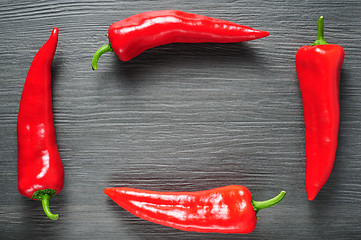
x,y
40,170
133,35
228,209
318,69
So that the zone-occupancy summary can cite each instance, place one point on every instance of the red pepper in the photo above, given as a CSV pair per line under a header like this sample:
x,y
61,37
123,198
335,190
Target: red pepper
x,y
40,170
228,209
318,68
133,35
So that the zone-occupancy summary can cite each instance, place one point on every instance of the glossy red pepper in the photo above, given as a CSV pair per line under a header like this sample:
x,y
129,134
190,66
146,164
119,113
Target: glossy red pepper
x,y
228,209
318,68
40,170
133,35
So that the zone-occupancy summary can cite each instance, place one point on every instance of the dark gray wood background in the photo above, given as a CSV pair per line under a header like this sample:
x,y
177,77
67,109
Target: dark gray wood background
x,y
180,117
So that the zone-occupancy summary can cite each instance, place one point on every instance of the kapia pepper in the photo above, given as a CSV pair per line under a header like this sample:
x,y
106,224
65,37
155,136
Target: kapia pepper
x,y
318,68
133,35
228,209
40,170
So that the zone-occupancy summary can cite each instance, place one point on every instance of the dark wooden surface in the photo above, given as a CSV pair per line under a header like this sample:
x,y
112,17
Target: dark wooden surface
x,y
180,117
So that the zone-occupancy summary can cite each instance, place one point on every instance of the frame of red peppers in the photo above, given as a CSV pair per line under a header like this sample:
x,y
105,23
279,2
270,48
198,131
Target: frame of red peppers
x,y
229,209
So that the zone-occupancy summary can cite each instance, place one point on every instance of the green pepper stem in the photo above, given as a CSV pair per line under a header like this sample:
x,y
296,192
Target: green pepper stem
x,y
45,201
101,50
258,205
320,40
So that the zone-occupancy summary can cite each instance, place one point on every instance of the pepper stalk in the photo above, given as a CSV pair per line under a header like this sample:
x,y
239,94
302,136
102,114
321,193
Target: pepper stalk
x,y
44,196
258,205
320,40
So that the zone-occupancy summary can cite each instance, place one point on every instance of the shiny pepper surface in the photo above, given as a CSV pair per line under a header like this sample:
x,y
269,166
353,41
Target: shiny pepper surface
x,y
135,34
228,209
40,170
318,68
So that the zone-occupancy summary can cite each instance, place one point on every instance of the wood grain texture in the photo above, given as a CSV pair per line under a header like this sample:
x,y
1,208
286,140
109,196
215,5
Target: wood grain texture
x,y
180,117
